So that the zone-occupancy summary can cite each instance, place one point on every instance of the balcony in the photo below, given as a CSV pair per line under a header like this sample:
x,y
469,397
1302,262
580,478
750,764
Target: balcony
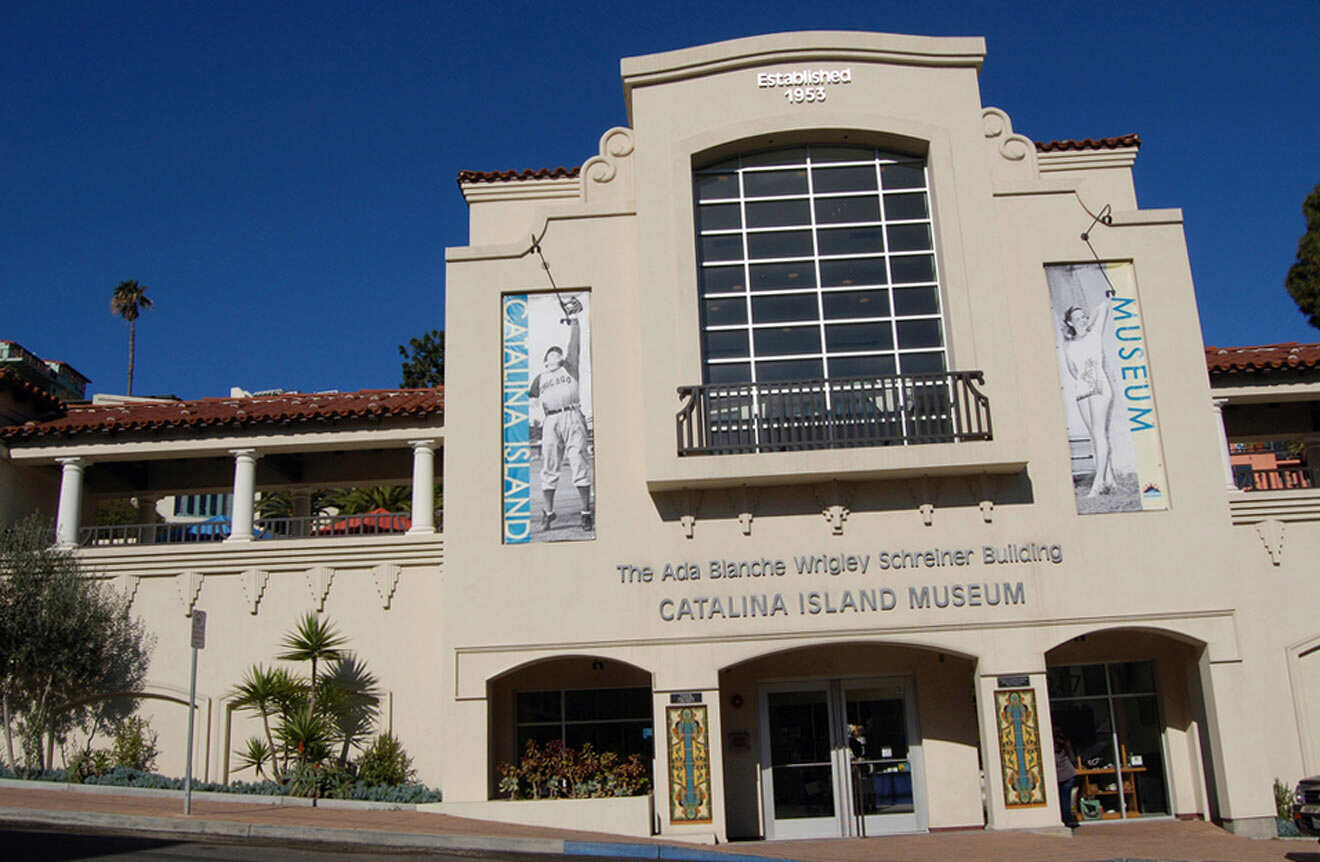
x,y
838,413
218,529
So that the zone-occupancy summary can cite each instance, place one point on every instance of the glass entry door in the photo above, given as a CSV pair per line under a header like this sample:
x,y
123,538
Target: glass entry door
x,y
840,758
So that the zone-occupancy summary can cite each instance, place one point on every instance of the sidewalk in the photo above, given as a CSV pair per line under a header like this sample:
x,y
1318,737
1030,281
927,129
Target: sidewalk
x,y
386,829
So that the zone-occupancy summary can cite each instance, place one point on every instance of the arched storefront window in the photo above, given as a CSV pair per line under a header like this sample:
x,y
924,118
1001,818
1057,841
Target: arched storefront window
x,y
817,262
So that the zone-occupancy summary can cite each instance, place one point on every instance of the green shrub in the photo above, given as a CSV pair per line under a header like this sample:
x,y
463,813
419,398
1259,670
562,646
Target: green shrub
x,y
557,771
135,744
385,761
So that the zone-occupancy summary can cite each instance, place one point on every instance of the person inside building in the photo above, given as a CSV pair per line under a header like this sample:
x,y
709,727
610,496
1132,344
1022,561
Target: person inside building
x,y
1065,764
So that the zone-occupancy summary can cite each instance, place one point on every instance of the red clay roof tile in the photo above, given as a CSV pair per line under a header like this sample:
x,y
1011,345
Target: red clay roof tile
x,y
218,412
470,177
1263,357
1132,140
44,400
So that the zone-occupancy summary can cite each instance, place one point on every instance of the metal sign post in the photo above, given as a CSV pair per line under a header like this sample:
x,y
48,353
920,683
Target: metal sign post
x,y
198,642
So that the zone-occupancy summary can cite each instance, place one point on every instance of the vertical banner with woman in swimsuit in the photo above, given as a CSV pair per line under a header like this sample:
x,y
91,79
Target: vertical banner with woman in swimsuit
x,y
1113,432
549,470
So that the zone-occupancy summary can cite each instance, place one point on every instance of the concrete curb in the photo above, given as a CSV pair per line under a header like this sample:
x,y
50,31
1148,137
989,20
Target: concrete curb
x,y
194,829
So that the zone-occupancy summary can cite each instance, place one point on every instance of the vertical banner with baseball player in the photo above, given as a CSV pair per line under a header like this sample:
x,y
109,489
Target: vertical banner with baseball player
x,y
548,463
1113,431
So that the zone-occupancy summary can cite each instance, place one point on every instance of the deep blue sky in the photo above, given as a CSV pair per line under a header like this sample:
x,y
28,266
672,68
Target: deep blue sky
x,y
281,175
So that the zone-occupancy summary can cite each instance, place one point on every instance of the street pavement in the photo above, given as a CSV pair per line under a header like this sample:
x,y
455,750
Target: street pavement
x,y
404,831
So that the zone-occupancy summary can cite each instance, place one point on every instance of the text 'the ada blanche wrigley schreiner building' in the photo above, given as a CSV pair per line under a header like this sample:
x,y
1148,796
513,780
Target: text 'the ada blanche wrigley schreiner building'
x,y
865,448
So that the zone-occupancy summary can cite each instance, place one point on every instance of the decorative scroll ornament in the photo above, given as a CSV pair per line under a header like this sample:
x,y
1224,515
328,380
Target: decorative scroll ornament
x,y
386,578
188,585
998,127
254,583
319,580
615,144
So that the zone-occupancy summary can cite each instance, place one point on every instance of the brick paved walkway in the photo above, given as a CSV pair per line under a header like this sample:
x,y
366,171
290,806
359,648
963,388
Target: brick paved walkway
x,y
1165,840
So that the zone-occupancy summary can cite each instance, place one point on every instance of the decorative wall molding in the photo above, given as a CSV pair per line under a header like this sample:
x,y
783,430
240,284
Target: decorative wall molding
x,y
835,499
319,579
189,588
386,578
127,586
744,500
254,583
1271,535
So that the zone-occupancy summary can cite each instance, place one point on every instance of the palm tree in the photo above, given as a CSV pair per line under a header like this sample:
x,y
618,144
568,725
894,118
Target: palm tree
x,y
314,640
128,301
265,691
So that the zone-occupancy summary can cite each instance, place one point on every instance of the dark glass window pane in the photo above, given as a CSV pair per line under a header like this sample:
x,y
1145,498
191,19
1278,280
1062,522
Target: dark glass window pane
x,y
861,366
715,186
722,312
780,340
778,213
840,210
718,217
916,300
726,344
538,706
850,240
795,243
791,369
719,167
906,206
855,303
542,734
783,276
722,279
852,179
1132,677
910,268
759,184
909,175
733,372
803,791
722,247
919,333
923,363
842,154
791,156
845,273
790,306
909,237
859,336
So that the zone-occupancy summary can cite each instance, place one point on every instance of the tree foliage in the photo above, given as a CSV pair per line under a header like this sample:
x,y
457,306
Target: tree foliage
x,y
424,360
310,723
64,639
1303,281
128,301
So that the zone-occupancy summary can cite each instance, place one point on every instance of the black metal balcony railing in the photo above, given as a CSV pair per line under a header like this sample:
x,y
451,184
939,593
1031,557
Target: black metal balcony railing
x,y
724,418
217,530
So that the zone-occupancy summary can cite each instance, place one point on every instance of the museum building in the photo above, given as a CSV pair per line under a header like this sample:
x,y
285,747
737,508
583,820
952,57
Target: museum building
x,y
822,439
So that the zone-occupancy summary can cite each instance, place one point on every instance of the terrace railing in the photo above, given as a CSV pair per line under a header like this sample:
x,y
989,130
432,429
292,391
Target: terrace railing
x,y
1275,478
793,415
311,527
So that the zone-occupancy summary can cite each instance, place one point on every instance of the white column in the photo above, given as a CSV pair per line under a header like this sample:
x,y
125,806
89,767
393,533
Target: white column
x,y
146,506
70,509
423,488
245,492
1218,404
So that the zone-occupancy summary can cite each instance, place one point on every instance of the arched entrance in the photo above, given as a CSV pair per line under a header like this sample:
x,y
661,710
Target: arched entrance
x,y
1129,704
851,739
571,700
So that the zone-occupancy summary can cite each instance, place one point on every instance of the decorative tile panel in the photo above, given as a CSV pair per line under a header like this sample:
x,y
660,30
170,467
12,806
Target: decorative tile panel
x,y
689,764
1019,747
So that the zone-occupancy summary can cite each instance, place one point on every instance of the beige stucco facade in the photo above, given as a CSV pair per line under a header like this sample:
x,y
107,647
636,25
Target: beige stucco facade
x,y
457,627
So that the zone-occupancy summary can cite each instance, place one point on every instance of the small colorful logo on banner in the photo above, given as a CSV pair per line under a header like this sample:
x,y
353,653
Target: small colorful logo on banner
x,y
517,422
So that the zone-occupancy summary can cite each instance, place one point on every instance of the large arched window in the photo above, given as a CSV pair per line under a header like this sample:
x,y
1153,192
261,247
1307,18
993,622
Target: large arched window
x,y
817,262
